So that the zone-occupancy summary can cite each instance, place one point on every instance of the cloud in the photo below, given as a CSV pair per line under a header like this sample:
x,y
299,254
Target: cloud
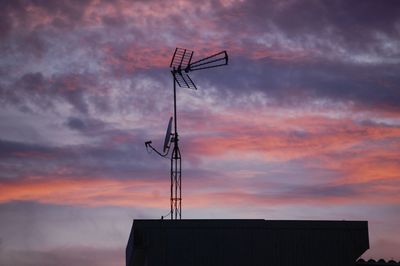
x,y
140,193
305,114
289,62
75,235
119,156
87,125
322,29
71,256
285,137
46,92
86,191
301,83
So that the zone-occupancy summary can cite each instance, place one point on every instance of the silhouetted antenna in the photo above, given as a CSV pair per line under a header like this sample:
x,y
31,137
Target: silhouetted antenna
x,y
181,64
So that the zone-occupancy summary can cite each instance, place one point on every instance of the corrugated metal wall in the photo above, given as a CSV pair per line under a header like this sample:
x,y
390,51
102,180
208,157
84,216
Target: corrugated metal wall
x,y
246,243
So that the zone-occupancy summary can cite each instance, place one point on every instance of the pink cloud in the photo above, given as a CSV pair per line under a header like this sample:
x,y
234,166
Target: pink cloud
x,y
85,191
283,138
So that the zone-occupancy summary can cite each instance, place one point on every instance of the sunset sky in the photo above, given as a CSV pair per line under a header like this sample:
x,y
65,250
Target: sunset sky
x,y
304,122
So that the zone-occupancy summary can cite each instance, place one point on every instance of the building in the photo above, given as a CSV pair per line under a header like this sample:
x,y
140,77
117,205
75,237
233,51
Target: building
x,y
246,243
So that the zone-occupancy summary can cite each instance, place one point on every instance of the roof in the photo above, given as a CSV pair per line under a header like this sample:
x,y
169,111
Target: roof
x,y
246,242
380,262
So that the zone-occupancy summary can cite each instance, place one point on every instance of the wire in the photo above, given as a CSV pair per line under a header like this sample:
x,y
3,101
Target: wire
x,y
163,216
156,151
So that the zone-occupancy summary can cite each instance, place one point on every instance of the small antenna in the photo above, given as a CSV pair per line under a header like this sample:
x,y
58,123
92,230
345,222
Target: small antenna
x,y
181,64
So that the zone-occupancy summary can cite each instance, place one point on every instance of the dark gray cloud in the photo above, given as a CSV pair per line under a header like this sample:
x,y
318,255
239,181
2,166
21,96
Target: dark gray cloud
x,y
288,83
47,92
85,125
320,190
9,148
326,191
76,123
88,95
108,158
352,25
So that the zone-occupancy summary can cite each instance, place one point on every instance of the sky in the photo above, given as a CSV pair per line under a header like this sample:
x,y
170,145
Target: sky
x,y
304,122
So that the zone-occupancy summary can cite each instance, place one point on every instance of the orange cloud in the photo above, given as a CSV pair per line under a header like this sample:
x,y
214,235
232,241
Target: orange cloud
x,y
240,198
362,154
285,137
367,163
85,191
155,194
134,57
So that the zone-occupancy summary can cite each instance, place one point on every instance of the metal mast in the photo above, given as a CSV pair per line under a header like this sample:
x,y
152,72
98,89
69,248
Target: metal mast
x,y
176,169
180,66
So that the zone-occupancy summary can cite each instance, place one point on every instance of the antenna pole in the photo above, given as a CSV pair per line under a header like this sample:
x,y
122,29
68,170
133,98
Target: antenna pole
x,y
175,118
181,65
176,165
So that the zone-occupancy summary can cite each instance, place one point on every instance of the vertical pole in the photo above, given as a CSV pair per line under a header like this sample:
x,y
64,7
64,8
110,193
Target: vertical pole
x,y
177,177
175,118
173,156
176,182
180,185
176,165
172,182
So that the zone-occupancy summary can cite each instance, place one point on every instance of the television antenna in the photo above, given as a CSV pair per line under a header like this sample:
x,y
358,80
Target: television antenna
x,y
181,65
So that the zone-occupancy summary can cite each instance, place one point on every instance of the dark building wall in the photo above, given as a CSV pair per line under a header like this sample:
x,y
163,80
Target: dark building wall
x,y
246,242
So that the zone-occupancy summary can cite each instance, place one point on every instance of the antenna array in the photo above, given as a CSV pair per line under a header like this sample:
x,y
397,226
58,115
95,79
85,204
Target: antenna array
x,y
181,64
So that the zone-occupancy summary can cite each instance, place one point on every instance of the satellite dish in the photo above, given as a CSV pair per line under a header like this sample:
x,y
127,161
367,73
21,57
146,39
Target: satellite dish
x,y
168,134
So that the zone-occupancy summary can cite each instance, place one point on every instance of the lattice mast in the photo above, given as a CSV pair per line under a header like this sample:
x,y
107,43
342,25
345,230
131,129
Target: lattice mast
x,y
181,64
